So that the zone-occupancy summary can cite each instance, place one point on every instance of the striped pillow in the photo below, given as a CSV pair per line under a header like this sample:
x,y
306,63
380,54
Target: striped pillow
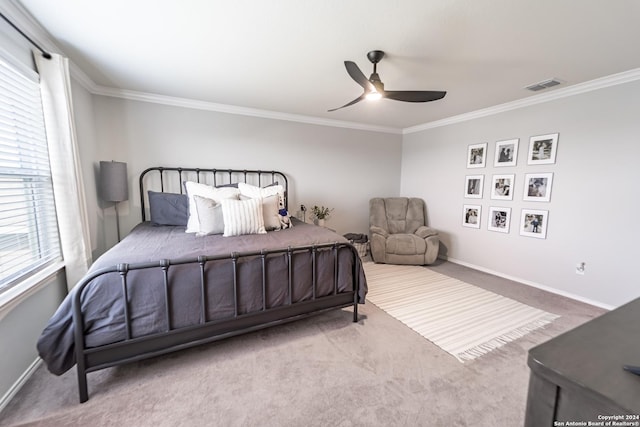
x,y
242,217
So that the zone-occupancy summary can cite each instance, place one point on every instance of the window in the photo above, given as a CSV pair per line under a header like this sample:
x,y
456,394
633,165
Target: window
x,y
29,237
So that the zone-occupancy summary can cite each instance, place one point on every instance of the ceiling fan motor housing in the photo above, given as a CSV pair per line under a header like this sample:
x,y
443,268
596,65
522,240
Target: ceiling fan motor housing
x,y
375,56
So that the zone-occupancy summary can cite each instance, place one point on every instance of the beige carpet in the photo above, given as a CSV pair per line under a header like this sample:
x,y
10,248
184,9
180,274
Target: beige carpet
x,y
463,320
321,371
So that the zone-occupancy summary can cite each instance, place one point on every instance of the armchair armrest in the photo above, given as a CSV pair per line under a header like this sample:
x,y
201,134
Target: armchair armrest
x,y
378,230
424,232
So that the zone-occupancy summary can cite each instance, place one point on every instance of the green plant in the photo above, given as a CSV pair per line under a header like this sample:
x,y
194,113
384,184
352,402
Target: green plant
x,y
321,212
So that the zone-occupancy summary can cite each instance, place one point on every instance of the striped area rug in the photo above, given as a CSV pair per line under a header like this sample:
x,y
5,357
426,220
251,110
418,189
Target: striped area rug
x,y
462,319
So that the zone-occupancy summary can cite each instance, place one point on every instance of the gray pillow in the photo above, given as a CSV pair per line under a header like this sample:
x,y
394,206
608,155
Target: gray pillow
x,y
168,208
210,216
234,185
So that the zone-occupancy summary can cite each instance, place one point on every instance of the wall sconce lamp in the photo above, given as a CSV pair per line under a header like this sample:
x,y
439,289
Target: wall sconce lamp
x,y
113,185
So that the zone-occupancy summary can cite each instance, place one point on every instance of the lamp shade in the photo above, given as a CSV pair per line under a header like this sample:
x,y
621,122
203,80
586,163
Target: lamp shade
x,y
113,181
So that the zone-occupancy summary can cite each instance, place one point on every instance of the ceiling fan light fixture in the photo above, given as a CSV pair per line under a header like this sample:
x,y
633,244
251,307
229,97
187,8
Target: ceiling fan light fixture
x,y
373,96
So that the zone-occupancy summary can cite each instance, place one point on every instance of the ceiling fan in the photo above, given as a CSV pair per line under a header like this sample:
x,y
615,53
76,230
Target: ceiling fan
x,y
374,88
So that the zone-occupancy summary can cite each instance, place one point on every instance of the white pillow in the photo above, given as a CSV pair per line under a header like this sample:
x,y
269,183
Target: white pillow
x,y
258,192
208,191
242,217
210,216
269,212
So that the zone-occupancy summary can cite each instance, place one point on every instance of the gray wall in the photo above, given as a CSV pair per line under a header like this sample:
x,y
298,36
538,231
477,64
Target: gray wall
x,y
594,200
336,167
21,327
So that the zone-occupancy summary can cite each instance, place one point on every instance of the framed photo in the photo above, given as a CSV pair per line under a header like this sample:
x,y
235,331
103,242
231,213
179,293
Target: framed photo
x,y
506,152
499,219
471,216
537,187
502,187
542,149
477,155
473,186
533,223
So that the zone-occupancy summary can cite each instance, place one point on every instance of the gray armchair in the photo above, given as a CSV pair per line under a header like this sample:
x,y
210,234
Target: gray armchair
x,y
398,233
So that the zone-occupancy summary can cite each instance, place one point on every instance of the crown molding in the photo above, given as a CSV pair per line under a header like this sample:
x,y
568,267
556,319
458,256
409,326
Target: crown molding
x,y
233,109
82,78
600,83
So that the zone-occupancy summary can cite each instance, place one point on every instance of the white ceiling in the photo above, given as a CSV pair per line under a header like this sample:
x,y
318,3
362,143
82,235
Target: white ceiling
x,y
287,55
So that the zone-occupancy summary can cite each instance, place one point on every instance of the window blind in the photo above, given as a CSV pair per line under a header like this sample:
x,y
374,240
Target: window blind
x,y
29,237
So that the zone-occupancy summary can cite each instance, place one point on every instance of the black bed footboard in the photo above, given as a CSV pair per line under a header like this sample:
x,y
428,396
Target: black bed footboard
x,y
318,298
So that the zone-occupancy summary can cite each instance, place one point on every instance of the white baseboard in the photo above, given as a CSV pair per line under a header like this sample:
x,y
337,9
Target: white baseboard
x,y
530,283
18,384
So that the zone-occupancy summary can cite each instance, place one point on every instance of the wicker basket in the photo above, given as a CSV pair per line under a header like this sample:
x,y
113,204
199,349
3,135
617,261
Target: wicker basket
x,y
360,242
362,248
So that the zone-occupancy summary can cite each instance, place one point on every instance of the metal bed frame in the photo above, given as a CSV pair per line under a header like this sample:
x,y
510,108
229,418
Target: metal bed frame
x,y
138,348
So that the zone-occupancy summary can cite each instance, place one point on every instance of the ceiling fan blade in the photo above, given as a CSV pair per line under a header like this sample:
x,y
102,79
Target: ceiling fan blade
x,y
358,99
414,95
358,76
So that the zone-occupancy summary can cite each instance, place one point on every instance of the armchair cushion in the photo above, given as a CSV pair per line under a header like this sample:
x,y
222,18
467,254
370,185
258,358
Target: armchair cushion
x,y
378,230
424,232
405,244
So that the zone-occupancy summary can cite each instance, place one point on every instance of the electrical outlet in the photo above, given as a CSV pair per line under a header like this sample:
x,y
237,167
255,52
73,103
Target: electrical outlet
x,y
580,268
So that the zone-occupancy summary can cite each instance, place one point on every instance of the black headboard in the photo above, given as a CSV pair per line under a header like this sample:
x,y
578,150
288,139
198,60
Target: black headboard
x,y
169,179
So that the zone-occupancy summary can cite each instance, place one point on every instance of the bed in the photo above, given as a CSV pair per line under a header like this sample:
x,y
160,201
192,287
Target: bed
x,y
162,289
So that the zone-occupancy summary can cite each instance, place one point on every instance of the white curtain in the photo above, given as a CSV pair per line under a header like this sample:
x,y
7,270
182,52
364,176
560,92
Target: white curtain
x,y
68,186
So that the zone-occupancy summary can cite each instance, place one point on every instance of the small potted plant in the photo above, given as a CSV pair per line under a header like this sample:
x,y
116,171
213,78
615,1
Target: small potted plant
x,y
320,214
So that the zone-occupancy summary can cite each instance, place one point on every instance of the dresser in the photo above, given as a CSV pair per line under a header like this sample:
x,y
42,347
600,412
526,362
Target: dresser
x,y
577,377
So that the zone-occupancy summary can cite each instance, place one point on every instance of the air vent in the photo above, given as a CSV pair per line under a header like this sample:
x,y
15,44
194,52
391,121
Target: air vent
x,y
543,85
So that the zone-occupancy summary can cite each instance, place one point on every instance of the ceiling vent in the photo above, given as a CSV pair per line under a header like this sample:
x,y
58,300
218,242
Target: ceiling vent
x,y
543,85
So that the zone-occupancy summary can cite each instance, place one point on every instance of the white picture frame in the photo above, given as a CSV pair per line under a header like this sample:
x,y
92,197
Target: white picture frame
x,y
533,223
477,155
506,153
474,186
537,187
542,149
502,186
471,216
499,219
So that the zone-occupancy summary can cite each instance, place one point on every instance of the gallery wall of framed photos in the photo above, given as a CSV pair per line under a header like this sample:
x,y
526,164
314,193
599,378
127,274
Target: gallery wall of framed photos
x,y
501,180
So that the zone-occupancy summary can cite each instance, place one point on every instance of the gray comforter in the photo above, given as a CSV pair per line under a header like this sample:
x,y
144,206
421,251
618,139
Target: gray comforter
x,y
102,302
